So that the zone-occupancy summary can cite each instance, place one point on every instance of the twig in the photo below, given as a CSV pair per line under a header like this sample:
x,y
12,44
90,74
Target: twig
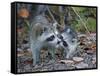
x,y
81,20
52,16
53,20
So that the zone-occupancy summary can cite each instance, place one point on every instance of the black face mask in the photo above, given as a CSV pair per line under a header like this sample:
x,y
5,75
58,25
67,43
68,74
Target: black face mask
x,y
65,43
51,38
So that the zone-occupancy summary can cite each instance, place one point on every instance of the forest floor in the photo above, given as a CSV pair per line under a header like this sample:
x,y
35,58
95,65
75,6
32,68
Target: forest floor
x,y
84,58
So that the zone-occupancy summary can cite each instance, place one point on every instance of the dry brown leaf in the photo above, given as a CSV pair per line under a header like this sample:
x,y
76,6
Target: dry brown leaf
x,y
81,65
94,62
20,55
90,51
78,59
24,13
93,46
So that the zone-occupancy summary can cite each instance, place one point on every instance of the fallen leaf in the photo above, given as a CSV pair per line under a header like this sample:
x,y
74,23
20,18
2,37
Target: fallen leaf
x,y
24,13
81,65
78,59
94,60
18,55
93,46
90,51
67,61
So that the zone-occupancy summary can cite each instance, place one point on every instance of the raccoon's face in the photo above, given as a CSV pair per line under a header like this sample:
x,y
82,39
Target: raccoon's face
x,y
67,37
56,41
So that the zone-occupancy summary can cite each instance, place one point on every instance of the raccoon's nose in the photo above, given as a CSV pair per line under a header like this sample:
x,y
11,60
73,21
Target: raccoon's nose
x,y
58,42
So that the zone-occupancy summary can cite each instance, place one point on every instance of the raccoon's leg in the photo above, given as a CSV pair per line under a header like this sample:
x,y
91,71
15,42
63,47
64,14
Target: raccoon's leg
x,y
72,49
36,54
66,50
52,52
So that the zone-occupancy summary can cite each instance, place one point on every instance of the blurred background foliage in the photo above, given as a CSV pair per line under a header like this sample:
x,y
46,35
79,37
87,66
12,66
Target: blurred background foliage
x,y
77,17
88,15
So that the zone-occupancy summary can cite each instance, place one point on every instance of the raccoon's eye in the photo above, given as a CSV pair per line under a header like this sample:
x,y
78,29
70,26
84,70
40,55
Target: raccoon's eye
x,y
65,43
51,38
